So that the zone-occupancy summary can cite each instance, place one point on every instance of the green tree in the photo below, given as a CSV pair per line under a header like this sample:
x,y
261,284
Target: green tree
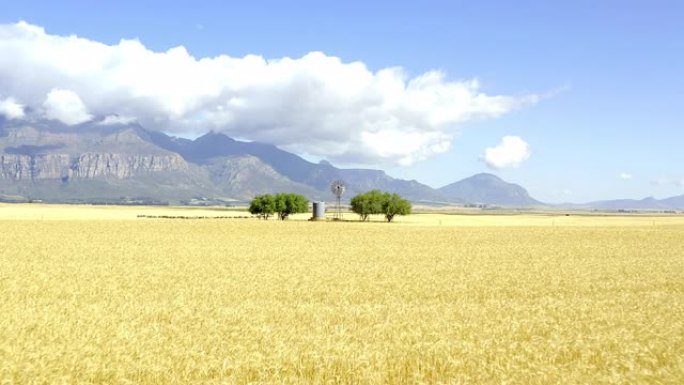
x,y
290,203
367,203
379,202
393,204
263,206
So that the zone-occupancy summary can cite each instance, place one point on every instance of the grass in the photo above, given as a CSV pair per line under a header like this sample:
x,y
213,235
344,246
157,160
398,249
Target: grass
x,y
94,295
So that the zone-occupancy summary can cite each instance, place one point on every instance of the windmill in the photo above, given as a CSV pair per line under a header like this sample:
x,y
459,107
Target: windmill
x,y
337,187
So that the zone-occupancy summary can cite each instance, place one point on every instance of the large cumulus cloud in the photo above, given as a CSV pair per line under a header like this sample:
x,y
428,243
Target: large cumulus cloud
x,y
315,104
510,153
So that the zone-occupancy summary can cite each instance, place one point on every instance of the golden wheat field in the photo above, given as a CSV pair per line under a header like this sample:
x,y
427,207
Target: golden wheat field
x,y
98,296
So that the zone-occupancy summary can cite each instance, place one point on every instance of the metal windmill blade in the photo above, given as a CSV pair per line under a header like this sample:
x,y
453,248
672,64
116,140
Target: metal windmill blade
x,y
338,188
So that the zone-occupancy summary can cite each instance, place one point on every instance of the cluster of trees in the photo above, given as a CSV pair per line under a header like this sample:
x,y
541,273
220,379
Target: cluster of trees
x,y
379,202
282,204
365,204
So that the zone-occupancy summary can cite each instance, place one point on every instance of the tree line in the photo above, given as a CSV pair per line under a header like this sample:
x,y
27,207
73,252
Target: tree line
x,y
282,204
369,203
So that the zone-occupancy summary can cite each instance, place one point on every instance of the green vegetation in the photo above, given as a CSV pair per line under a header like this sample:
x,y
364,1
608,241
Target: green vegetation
x,y
367,203
378,202
263,206
284,204
290,203
394,205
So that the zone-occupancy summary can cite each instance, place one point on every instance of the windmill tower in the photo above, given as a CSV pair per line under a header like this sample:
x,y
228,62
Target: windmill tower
x,y
338,187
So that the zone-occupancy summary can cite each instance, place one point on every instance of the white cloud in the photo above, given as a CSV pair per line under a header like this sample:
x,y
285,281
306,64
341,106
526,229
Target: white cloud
x,y
315,104
65,106
113,120
10,109
664,181
511,152
625,176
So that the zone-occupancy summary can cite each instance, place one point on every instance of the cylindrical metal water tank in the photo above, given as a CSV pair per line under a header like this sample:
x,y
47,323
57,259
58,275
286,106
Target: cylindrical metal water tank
x,y
319,210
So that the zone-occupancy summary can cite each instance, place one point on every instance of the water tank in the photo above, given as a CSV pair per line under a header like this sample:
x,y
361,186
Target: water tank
x,y
319,210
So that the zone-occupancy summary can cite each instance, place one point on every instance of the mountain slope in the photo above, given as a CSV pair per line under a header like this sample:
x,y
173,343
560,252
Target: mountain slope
x,y
676,202
488,189
209,147
91,162
243,177
650,203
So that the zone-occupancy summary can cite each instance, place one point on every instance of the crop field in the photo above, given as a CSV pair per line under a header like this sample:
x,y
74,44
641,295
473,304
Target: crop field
x,y
98,295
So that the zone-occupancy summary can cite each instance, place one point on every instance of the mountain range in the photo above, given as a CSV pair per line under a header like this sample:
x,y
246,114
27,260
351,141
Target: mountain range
x,y
97,163
650,203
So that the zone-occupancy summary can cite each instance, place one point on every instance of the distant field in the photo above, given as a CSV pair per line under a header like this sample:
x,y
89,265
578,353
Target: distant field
x,y
93,294
447,218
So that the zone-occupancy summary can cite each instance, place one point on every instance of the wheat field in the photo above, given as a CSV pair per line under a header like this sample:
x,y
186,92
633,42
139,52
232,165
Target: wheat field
x,y
92,298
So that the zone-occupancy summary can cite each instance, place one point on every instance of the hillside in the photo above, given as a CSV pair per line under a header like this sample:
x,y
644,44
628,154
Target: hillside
x,y
488,189
127,163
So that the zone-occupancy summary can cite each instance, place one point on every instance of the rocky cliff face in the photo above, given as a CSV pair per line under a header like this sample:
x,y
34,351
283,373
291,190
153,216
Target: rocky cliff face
x,y
101,163
16,167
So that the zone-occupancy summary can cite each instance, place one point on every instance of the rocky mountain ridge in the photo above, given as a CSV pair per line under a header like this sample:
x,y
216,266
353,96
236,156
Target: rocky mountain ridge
x,y
66,167
91,163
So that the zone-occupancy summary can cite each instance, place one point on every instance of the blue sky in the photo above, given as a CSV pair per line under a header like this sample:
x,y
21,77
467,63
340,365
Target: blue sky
x,y
606,78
